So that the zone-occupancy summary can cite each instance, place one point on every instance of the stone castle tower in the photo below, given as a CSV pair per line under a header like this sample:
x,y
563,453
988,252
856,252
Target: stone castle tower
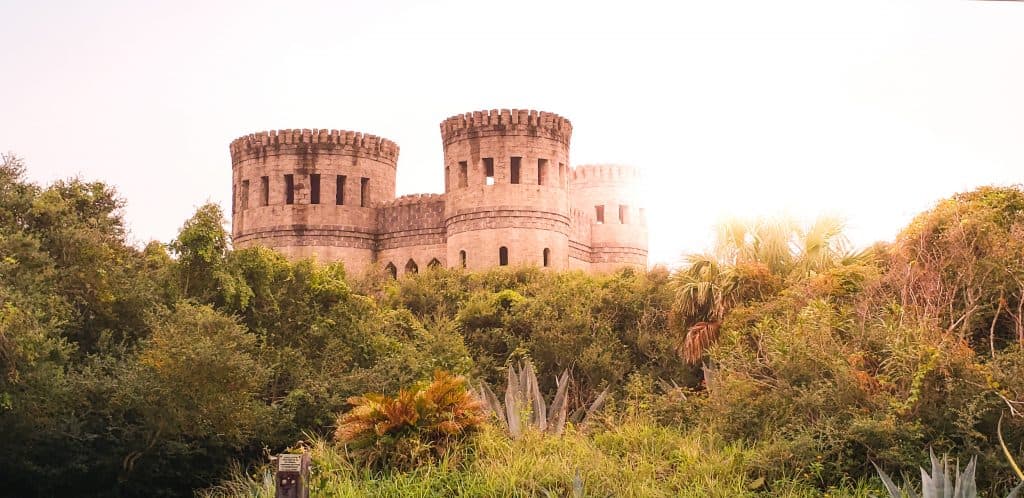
x,y
511,198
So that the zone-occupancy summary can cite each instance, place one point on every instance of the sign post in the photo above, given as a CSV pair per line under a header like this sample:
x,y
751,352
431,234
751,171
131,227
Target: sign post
x,y
292,477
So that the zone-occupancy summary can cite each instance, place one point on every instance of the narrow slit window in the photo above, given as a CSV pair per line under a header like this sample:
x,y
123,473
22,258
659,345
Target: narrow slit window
x,y
542,172
314,189
245,194
517,163
364,192
623,214
489,170
264,191
289,189
547,257
599,213
462,258
234,196
463,174
339,193
561,175
503,256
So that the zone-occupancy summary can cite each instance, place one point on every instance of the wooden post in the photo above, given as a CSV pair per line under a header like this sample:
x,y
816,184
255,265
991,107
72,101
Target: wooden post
x,y
292,477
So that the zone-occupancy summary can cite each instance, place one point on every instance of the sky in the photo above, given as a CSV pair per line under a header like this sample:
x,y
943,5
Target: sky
x,y
867,110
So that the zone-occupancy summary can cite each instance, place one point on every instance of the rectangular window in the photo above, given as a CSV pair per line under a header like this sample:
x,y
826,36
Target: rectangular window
x,y
463,174
489,170
561,175
245,194
314,189
514,173
339,192
599,212
542,172
234,195
364,192
623,214
264,191
289,189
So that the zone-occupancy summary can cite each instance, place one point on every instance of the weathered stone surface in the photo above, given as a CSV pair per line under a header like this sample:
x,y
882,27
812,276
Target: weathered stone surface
x,y
552,209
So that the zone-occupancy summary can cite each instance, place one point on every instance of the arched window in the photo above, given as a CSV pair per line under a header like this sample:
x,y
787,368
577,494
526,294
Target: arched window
x,y
411,267
503,256
434,263
547,256
392,270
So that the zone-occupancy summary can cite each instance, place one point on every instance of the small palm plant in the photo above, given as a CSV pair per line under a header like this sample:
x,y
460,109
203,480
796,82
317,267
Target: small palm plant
x,y
525,406
420,424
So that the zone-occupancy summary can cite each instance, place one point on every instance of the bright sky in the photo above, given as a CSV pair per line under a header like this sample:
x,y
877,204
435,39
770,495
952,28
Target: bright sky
x,y
869,110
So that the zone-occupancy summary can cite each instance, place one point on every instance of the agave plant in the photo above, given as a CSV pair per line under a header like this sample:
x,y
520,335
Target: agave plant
x,y
418,425
943,482
525,406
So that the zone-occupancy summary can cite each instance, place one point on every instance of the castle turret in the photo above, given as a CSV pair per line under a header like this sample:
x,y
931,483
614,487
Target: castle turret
x,y
506,184
609,198
311,192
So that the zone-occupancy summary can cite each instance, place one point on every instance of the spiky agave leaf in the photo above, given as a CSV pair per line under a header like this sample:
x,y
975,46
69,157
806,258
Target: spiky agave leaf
x,y
493,404
559,405
513,404
538,412
894,491
595,406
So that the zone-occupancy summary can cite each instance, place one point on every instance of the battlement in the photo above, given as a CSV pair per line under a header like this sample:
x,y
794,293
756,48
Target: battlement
x,y
605,173
410,199
506,122
320,140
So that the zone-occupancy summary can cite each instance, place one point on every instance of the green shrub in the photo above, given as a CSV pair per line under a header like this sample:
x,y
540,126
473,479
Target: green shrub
x,y
418,425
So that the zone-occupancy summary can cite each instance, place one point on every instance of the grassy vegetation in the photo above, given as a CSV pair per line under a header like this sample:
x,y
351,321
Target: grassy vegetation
x,y
632,459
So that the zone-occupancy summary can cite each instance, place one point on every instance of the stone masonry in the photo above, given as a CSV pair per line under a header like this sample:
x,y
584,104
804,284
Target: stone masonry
x,y
511,198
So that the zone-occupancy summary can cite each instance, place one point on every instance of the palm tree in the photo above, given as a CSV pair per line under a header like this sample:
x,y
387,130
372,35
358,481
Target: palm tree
x,y
752,259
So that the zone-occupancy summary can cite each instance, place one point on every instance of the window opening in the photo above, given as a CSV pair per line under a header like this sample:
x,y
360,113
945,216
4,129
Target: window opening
x,y
314,189
503,256
514,173
289,189
489,170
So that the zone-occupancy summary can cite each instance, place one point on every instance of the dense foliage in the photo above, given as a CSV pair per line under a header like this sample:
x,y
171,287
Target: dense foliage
x,y
417,426
128,371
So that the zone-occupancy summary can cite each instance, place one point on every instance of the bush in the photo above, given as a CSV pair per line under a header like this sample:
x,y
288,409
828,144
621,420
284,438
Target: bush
x,y
418,425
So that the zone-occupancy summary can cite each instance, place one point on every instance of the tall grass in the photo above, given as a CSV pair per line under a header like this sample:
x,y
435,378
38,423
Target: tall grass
x,y
634,459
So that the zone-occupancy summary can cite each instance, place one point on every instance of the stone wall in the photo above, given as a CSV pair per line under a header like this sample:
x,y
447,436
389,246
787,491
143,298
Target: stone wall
x,y
511,197
411,229
619,238
506,182
336,178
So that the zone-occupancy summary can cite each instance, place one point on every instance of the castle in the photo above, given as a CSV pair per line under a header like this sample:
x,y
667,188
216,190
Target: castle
x,y
511,198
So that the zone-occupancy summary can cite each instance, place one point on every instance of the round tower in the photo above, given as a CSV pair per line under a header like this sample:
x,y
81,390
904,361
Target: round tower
x,y
610,198
310,192
506,184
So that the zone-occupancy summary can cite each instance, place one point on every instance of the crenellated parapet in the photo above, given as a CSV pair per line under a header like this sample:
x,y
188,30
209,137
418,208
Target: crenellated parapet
x,y
306,141
605,173
410,200
506,122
